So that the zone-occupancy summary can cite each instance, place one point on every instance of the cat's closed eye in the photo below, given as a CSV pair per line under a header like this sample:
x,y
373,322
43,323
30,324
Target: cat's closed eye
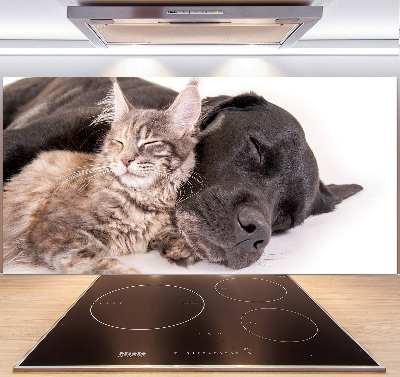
x,y
152,143
157,148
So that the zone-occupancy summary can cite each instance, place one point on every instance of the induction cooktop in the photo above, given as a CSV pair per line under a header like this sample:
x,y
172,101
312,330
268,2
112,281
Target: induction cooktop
x,y
197,322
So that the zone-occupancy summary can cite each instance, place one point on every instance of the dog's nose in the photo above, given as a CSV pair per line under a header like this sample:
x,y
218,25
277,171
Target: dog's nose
x,y
251,230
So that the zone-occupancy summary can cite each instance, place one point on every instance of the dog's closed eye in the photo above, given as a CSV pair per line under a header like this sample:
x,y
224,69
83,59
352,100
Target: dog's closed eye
x,y
257,146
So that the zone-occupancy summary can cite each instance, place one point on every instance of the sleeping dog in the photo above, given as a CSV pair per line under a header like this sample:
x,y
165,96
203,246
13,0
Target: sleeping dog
x,y
255,176
260,175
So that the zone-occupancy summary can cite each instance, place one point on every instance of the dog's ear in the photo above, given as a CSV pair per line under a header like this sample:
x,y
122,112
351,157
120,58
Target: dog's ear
x,y
213,106
330,195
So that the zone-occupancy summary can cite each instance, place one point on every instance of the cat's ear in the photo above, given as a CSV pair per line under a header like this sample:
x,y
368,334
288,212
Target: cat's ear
x,y
184,113
120,104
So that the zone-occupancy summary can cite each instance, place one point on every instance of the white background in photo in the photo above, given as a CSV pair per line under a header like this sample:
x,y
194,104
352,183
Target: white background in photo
x,y
351,126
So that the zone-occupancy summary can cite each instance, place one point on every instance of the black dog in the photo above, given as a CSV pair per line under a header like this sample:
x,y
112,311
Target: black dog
x,y
258,174
261,178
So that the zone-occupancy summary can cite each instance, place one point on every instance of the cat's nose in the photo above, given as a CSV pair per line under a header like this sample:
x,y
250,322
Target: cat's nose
x,y
126,162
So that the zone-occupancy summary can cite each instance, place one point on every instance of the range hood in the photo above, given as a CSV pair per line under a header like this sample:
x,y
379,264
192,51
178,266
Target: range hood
x,y
116,26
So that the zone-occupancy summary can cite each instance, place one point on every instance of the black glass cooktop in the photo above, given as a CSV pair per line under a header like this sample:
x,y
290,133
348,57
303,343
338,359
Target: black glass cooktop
x,y
197,322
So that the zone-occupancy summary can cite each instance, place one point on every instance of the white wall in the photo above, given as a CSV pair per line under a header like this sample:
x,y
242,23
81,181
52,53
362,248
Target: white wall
x,y
201,66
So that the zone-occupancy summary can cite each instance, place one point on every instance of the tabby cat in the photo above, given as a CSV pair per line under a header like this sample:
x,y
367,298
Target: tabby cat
x,y
75,212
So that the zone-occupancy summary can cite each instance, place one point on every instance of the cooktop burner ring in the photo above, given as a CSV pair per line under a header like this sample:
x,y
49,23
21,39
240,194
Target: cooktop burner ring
x,y
282,294
302,326
189,300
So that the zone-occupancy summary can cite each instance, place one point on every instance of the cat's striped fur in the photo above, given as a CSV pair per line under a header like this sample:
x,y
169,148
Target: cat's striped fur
x,y
74,212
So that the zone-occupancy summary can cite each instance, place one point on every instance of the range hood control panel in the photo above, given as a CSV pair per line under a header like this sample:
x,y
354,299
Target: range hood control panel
x,y
208,12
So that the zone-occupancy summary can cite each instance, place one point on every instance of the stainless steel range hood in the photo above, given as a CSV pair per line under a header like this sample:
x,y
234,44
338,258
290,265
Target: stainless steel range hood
x,y
116,26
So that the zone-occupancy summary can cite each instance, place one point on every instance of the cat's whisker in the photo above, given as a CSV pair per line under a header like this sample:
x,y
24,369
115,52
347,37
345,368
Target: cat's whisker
x,y
91,124
108,110
86,169
95,132
195,184
173,176
197,177
79,173
103,170
88,180
82,187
